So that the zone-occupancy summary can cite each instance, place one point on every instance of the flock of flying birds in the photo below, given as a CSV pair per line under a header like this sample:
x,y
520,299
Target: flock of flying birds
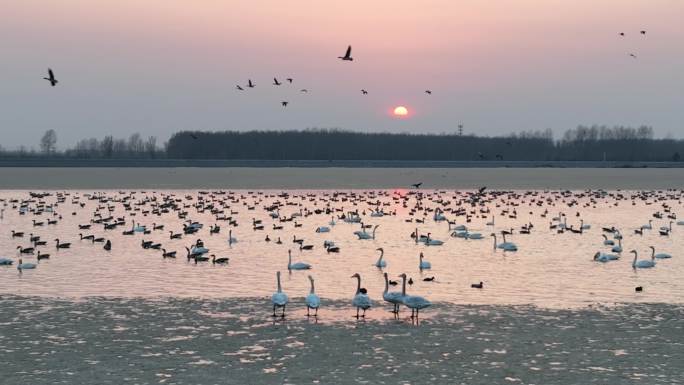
x,y
335,212
346,57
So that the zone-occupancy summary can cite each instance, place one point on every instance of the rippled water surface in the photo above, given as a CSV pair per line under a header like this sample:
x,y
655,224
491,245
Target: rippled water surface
x,y
549,269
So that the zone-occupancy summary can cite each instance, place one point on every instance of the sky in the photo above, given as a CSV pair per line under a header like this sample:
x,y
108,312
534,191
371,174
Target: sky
x,y
496,66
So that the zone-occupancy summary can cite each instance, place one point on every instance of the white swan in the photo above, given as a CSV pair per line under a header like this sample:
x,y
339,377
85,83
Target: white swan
x,y
617,248
413,302
6,261
432,242
649,226
474,235
25,266
424,265
313,301
643,263
323,229
296,265
583,226
380,263
606,241
506,246
600,257
279,299
659,255
361,299
393,297
364,235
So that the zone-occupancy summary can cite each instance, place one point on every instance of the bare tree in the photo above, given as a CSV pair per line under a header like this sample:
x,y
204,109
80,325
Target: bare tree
x,y
48,143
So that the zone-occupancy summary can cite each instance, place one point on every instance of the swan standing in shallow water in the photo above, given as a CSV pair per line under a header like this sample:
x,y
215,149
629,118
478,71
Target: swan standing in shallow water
x,y
643,263
296,265
413,302
380,263
313,301
393,297
361,299
279,299
424,265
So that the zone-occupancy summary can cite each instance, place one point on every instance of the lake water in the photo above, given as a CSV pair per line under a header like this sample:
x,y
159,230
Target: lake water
x,y
549,269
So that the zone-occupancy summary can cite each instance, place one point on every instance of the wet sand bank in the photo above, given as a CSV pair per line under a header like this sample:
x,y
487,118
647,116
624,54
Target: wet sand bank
x,y
337,178
195,341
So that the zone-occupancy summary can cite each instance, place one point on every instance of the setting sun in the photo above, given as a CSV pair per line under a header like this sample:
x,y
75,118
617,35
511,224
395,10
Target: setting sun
x,y
400,111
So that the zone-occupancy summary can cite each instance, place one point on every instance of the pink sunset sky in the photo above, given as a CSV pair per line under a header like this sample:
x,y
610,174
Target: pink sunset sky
x,y
500,66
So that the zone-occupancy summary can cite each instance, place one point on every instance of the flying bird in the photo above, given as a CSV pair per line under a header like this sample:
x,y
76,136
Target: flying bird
x,y
51,79
622,34
289,80
239,88
481,189
193,136
428,92
632,55
347,55
276,82
417,185
304,90
643,32
284,103
364,92
250,84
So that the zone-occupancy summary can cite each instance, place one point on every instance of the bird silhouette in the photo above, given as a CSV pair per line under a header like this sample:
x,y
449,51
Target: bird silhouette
x,y
239,88
428,92
193,136
284,103
347,55
304,90
276,82
622,34
289,80
643,32
51,78
632,55
364,92
249,83
417,185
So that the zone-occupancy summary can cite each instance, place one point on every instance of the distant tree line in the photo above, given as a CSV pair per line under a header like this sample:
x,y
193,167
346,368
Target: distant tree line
x,y
133,147
594,143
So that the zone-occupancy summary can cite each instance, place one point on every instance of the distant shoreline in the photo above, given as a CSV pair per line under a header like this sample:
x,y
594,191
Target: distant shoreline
x,y
337,178
222,163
